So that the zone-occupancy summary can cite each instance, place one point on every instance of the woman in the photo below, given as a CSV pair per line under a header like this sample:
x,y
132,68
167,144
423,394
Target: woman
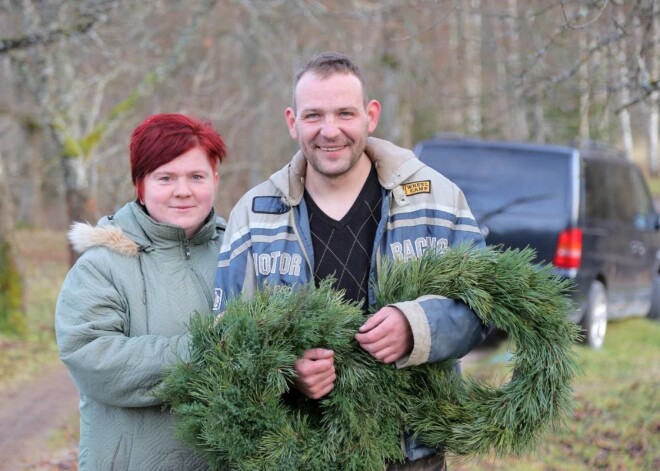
x,y
122,312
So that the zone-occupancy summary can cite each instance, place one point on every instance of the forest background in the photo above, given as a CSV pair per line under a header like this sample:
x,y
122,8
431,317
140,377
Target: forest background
x,y
77,76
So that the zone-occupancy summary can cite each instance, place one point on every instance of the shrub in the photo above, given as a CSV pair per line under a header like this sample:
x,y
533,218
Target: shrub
x,y
12,313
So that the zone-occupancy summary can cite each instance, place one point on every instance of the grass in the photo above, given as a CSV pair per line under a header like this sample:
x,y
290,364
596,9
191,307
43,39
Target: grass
x,y
616,423
654,185
44,256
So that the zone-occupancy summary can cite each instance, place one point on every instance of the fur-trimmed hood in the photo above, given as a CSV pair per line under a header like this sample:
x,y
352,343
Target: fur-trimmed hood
x,y
84,236
131,229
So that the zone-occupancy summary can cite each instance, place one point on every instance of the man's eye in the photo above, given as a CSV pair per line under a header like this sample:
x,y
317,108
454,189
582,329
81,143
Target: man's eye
x,y
312,116
165,179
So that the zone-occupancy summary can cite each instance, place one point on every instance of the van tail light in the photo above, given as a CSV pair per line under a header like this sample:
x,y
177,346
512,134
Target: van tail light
x,y
569,249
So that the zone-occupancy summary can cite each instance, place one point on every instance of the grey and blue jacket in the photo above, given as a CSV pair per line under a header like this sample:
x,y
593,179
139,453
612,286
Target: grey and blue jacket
x,y
268,241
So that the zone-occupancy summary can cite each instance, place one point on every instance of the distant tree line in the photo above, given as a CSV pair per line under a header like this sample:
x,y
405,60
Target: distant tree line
x,y
76,77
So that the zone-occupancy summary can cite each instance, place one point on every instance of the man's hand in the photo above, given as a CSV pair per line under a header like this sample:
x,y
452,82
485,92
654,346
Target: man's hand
x,y
316,373
386,335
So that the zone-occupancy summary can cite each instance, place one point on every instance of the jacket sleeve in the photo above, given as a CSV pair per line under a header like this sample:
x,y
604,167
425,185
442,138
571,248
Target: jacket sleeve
x,y
91,324
445,328
235,274
442,328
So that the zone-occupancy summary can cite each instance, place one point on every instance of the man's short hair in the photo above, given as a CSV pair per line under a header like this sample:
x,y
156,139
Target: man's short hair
x,y
326,64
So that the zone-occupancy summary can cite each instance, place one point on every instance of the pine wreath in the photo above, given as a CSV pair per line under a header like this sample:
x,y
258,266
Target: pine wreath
x,y
233,396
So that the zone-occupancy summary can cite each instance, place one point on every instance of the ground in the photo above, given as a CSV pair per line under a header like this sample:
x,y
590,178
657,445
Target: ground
x,y
34,416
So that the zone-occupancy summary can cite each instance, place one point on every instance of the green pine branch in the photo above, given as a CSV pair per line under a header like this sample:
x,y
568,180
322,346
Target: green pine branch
x,y
234,401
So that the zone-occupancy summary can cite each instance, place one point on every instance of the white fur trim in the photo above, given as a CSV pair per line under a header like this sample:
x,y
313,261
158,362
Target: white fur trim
x,y
83,237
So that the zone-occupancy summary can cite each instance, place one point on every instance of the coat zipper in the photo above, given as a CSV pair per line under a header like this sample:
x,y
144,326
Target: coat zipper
x,y
200,280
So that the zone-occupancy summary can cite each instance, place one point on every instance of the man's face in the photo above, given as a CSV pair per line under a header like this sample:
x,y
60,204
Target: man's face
x,y
331,122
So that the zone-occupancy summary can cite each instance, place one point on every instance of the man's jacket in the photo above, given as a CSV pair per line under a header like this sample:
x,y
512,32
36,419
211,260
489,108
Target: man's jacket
x,y
268,240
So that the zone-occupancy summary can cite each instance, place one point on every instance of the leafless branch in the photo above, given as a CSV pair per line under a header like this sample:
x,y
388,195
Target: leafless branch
x,y
589,22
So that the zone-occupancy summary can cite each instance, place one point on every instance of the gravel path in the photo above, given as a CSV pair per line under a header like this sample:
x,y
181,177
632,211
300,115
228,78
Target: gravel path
x,y
29,415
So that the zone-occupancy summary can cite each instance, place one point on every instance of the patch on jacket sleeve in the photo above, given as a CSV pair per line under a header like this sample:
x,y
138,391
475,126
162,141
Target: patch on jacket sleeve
x,y
217,299
414,188
269,205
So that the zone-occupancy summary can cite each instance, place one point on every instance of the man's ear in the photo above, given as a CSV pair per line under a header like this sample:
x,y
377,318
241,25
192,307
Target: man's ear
x,y
290,116
373,113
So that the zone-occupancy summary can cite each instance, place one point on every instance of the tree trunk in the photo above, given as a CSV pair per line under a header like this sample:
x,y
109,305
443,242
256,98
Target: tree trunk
x,y
473,85
30,209
395,62
601,61
453,112
12,298
584,88
624,93
518,115
654,99
541,129
503,88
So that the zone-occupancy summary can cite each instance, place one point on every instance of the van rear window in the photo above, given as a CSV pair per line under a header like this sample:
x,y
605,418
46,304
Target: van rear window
x,y
507,181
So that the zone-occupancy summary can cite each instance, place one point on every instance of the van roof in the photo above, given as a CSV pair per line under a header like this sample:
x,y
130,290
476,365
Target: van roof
x,y
589,149
482,143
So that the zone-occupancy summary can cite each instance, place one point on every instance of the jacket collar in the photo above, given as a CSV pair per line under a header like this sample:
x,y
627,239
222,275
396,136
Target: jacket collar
x,y
131,229
394,165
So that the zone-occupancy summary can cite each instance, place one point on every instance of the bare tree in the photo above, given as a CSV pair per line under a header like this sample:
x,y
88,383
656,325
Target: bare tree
x,y
653,127
518,117
12,301
85,73
624,90
472,42
584,89
71,91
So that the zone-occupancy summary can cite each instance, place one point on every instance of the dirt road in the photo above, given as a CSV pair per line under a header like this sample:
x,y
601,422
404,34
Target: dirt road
x,y
30,414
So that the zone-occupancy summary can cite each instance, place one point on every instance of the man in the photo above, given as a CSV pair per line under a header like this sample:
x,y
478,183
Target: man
x,y
344,201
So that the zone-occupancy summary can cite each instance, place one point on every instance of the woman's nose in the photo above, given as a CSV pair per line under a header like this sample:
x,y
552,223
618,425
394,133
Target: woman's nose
x,y
182,187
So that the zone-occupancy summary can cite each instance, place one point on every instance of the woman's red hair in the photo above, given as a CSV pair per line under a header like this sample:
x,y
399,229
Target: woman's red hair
x,y
162,138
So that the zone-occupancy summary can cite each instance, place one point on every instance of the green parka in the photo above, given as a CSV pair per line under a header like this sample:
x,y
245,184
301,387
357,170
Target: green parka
x,y
121,321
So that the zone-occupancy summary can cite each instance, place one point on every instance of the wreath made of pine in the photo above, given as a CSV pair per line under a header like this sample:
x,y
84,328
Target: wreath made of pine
x,y
233,399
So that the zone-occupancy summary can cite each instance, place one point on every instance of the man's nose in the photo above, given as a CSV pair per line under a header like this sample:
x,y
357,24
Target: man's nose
x,y
330,129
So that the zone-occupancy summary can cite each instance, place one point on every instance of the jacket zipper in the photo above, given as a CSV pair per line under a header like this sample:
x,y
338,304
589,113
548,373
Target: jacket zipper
x,y
200,280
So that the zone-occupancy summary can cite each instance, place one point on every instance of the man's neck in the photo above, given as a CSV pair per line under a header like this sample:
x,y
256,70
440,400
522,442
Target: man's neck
x,y
335,196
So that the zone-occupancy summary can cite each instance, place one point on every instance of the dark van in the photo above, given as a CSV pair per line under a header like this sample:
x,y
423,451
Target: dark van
x,y
588,211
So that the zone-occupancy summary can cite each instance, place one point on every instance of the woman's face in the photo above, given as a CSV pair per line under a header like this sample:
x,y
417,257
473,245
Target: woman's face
x,y
182,191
